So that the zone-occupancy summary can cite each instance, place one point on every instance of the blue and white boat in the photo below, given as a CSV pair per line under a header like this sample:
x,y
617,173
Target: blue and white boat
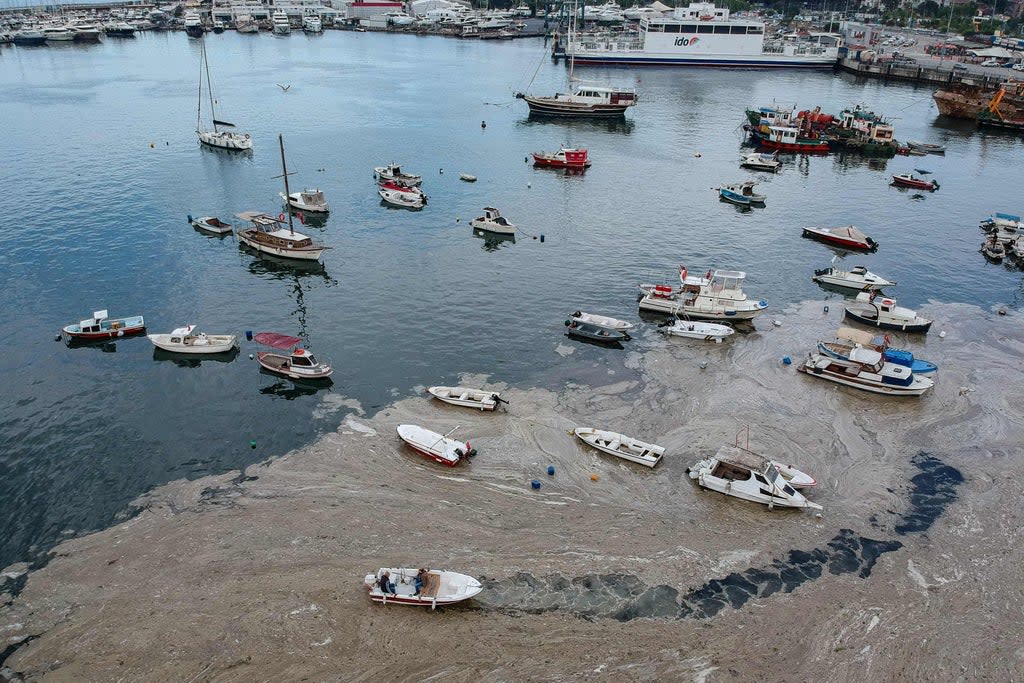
x,y
741,193
1002,221
848,339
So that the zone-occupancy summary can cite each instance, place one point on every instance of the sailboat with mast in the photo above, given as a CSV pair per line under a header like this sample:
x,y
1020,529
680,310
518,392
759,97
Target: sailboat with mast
x,y
587,101
223,139
268,235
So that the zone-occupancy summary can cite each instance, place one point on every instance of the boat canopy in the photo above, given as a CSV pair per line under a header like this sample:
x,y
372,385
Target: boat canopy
x,y
278,341
183,331
218,122
741,457
866,356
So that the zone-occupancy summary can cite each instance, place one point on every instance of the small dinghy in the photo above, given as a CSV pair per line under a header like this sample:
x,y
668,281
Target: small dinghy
x,y
993,248
912,181
210,224
601,321
307,200
848,338
858,277
621,446
467,177
393,172
847,236
882,312
102,327
467,397
866,370
438,447
493,221
741,473
187,340
762,161
928,147
438,587
741,193
298,364
582,330
793,476
696,330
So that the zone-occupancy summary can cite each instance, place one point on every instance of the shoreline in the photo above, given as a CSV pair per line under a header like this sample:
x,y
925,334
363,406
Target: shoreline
x,y
259,572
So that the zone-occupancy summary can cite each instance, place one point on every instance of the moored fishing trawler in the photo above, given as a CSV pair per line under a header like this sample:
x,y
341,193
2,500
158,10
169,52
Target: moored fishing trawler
x,y
702,35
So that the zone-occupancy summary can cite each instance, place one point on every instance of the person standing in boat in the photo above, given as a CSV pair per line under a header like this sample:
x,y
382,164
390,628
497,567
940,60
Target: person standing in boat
x,y
386,586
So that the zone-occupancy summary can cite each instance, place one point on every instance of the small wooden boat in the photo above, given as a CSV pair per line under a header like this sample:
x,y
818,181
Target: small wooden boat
x,y
298,364
601,321
210,224
467,397
624,447
747,475
697,330
582,330
846,236
439,588
741,193
882,312
564,158
928,147
912,181
858,277
312,201
993,248
437,447
269,235
762,161
867,370
848,338
187,340
467,177
100,326
493,221
393,172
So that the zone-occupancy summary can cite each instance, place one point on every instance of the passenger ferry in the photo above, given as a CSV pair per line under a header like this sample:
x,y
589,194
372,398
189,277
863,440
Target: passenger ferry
x,y
701,35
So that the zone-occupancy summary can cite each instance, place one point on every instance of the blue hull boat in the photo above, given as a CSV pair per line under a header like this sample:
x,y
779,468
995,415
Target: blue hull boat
x,y
917,366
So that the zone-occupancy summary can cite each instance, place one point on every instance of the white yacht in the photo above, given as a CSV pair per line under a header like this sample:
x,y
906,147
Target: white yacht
x,y
58,34
312,24
281,24
399,19
741,473
193,24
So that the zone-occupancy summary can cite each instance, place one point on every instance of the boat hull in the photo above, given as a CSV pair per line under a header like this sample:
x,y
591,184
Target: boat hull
x,y
275,363
223,344
547,162
105,334
541,106
232,141
446,395
588,436
294,254
488,226
901,327
840,241
914,185
865,385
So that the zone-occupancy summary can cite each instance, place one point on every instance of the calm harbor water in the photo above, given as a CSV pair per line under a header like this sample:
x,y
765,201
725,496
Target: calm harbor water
x,y
101,167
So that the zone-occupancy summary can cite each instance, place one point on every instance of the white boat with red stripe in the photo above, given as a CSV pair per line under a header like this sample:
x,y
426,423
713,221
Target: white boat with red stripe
x,y
439,587
438,447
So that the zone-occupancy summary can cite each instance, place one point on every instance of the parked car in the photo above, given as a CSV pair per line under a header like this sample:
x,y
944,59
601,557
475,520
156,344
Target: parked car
x,y
990,62
1018,67
959,67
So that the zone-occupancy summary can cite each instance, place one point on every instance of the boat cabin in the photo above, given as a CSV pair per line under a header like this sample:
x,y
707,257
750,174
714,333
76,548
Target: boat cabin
x,y
95,324
738,464
492,215
599,95
312,198
301,358
269,230
183,335
773,116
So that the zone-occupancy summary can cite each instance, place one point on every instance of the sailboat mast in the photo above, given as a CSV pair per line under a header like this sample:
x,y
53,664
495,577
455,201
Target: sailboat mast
x,y
199,106
209,87
572,50
287,192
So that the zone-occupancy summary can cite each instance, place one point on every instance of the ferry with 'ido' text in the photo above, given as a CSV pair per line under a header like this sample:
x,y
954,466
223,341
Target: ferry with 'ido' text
x,y
703,35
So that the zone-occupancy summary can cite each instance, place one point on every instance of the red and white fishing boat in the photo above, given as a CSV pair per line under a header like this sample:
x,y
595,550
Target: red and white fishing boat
x,y
407,196
565,157
102,327
912,181
299,363
846,236
437,447
437,587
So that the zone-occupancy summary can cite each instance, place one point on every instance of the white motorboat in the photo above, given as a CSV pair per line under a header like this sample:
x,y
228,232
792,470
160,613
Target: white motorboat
x,y
406,197
928,147
298,364
467,177
716,295
86,33
393,172
1003,221
741,473
312,24
58,34
193,23
868,370
848,338
399,19
312,201
762,161
439,587
466,397
493,221
269,235
217,137
210,224
858,277
282,26
741,193
793,476
621,446
602,321
187,340
882,311
698,330
438,447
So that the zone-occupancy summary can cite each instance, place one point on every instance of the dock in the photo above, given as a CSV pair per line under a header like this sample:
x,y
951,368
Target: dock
x,y
912,73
